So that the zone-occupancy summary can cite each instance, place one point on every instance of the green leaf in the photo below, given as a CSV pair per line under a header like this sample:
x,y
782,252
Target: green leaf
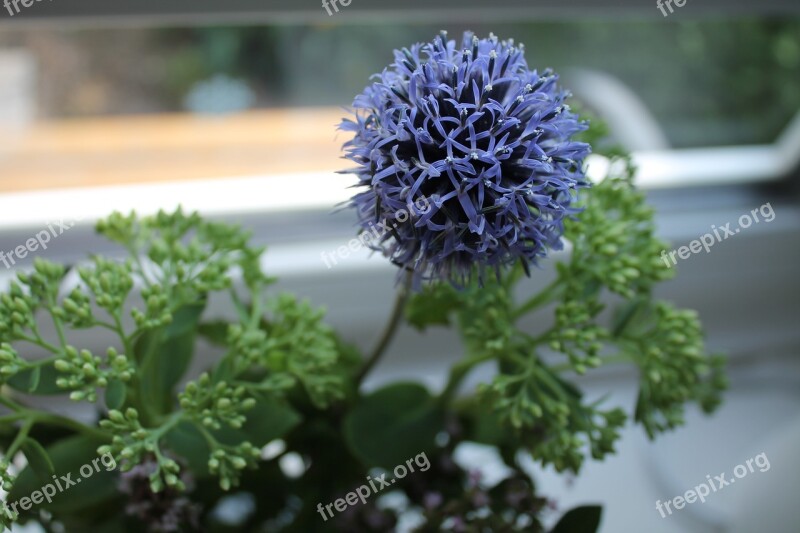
x,y
432,307
485,426
187,441
584,519
267,421
224,371
631,317
164,355
115,394
67,457
38,460
215,332
45,383
393,424
36,375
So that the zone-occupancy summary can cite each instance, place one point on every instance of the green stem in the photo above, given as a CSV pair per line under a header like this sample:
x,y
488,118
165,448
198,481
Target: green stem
x,y
545,296
138,265
58,420
132,387
11,404
39,341
255,311
8,419
547,378
57,324
458,372
106,325
212,442
62,338
120,330
19,439
241,310
49,418
144,372
515,275
40,362
391,327
535,341
173,420
614,359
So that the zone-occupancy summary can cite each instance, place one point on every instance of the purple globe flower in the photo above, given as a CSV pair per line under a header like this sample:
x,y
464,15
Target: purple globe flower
x,y
466,158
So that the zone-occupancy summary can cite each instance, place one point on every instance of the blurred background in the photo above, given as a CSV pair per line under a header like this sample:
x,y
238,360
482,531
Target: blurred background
x,y
231,109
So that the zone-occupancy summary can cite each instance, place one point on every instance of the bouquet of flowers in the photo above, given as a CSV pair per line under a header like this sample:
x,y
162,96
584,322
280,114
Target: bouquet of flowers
x,y
486,162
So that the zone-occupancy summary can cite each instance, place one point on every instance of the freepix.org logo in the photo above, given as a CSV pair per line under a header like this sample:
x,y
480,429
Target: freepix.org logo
x,y
59,485
40,240
9,4
327,4
375,233
663,5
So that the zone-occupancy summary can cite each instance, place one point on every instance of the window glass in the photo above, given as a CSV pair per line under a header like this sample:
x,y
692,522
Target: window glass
x,y
706,82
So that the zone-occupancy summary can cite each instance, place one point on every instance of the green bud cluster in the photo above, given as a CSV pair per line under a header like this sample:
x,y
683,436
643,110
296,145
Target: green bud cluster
x,y
16,313
548,417
249,261
227,462
674,369
10,362
485,322
576,334
44,281
175,261
193,255
86,372
76,310
157,308
248,343
185,256
6,477
166,475
299,344
215,404
614,242
250,350
110,282
132,444
119,228
130,441
6,483
6,521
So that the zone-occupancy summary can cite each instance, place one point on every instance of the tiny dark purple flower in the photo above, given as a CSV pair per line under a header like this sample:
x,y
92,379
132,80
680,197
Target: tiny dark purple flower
x,y
163,511
432,500
465,157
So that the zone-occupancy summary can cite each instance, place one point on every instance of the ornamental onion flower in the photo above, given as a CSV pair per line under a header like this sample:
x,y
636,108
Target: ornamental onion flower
x,y
465,157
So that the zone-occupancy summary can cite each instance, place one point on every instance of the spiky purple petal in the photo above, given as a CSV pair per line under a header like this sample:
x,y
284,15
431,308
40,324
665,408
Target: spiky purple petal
x,y
480,140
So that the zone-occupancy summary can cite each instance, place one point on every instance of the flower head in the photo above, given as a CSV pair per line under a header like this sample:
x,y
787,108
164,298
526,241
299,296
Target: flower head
x,y
466,158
